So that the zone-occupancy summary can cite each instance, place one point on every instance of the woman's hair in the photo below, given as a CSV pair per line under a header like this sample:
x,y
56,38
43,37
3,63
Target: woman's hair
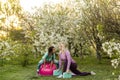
x,y
64,46
64,43
50,49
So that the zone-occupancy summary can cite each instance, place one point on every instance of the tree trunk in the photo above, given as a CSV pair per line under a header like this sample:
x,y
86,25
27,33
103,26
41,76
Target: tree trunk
x,y
98,48
81,51
75,52
36,54
98,43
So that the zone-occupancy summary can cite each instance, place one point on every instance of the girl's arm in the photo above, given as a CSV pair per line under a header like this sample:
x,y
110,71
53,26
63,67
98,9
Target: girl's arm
x,y
42,61
44,58
53,59
51,64
60,62
68,56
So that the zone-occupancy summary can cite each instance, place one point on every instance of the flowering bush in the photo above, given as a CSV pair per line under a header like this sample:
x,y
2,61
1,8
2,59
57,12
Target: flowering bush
x,y
113,50
52,24
6,51
15,51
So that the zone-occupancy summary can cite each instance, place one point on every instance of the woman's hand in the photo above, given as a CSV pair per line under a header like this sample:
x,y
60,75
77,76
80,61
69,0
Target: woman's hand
x,y
44,63
51,64
59,69
67,70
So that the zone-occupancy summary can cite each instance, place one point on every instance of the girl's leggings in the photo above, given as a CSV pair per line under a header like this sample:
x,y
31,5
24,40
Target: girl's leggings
x,y
73,68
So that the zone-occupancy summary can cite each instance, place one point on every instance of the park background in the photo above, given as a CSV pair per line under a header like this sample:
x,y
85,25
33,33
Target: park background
x,y
90,27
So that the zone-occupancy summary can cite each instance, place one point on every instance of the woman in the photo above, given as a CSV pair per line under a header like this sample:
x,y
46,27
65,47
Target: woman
x,y
49,57
68,63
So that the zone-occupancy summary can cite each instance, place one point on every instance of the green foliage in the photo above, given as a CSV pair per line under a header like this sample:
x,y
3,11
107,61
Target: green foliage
x,y
6,51
16,53
17,35
23,53
99,21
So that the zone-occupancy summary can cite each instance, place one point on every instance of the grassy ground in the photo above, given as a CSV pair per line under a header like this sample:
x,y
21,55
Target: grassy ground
x,y
103,71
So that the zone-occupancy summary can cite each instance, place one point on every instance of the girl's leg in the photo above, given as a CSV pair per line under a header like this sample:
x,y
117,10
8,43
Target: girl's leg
x,y
64,69
64,66
38,67
39,64
73,68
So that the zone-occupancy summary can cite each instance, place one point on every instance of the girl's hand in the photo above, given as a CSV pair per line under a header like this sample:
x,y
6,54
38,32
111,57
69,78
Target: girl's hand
x,y
67,70
44,64
58,69
44,61
51,64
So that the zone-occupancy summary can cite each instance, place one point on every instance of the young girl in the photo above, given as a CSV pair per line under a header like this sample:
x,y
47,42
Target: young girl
x,y
49,57
68,63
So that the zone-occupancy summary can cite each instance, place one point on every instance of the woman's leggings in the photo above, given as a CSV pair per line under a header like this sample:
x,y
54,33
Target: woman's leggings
x,y
73,68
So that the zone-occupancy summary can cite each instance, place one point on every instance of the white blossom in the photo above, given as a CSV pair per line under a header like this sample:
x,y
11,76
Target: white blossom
x,y
112,48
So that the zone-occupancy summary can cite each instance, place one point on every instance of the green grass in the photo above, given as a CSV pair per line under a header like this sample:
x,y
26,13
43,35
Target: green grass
x,y
103,71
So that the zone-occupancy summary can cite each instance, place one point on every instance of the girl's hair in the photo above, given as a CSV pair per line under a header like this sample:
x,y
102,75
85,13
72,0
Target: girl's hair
x,y
64,43
50,49
64,47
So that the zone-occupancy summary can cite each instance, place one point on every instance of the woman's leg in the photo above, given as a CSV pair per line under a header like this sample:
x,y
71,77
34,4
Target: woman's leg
x,y
73,68
38,67
39,64
64,66
64,69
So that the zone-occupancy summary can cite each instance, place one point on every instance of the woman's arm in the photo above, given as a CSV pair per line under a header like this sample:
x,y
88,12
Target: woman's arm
x,y
68,56
44,58
51,64
52,61
60,62
53,57
42,61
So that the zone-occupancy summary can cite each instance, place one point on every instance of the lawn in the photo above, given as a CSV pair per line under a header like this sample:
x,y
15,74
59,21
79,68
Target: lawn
x,y
103,71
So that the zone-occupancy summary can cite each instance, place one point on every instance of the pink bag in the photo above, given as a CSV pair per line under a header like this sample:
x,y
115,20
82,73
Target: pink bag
x,y
45,69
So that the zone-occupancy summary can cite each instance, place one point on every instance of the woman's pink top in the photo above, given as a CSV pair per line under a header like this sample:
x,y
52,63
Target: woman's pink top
x,y
65,56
